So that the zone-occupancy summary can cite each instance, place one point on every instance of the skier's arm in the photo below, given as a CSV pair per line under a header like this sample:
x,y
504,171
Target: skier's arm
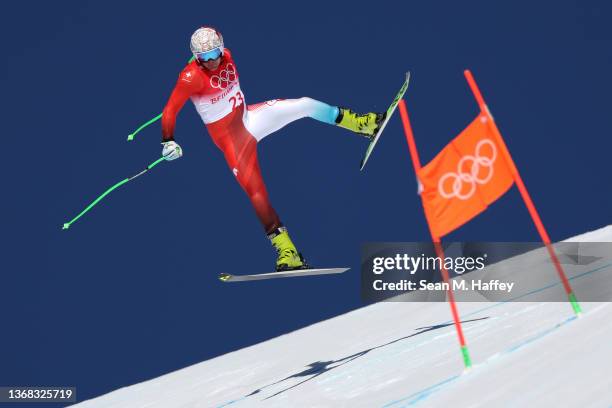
x,y
182,91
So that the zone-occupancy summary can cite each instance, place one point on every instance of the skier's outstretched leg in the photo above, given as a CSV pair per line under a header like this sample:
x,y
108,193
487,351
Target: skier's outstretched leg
x,y
268,117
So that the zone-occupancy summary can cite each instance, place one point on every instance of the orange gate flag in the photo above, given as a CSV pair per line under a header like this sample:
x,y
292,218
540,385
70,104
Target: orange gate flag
x,y
464,178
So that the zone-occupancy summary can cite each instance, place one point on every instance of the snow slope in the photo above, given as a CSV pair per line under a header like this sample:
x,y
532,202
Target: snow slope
x,y
405,354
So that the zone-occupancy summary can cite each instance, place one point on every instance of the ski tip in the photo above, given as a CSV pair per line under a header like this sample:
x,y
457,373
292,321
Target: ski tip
x,y
224,277
130,137
66,226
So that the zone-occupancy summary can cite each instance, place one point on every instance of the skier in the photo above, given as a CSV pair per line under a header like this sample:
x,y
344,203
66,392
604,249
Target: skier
x,y
211,81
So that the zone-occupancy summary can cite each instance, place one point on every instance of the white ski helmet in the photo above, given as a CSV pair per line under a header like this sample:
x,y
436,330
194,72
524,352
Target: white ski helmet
x,y
205,39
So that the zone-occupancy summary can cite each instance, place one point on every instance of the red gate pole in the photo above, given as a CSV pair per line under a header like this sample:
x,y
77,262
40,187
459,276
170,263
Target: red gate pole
x,y
524,193
416,162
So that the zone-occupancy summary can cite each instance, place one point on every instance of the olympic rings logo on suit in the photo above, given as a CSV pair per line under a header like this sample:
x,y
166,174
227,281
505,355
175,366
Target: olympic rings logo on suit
x,y
472,178
225,77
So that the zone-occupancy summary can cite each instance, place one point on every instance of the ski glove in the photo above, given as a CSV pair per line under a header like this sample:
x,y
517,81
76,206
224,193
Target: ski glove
x,y
171,150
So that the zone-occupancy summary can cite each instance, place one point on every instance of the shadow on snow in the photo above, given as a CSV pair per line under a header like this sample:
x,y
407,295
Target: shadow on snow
x,y
321,367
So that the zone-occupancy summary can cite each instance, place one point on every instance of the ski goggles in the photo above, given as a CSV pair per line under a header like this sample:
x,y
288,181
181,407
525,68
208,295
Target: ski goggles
x,y
208,55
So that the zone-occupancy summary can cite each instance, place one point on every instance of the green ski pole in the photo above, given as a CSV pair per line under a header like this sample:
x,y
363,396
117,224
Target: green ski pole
x,y
107,192
151,121
144,125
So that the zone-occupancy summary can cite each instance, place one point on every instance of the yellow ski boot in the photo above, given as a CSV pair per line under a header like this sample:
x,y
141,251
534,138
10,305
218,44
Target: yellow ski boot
x,y
366,124
288,257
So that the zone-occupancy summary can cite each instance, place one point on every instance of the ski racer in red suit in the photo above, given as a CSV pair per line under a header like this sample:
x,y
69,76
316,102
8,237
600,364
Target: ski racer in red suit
x,y
211,81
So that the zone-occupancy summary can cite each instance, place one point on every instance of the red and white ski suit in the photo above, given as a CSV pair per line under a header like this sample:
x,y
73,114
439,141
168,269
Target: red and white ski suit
x,y
236,128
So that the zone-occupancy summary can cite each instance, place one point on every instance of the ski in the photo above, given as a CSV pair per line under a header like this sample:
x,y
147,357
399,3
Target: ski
x,y
226,277
390,111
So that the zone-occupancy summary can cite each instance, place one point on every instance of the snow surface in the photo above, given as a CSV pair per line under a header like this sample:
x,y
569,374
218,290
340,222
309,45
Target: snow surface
x,y
395,354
